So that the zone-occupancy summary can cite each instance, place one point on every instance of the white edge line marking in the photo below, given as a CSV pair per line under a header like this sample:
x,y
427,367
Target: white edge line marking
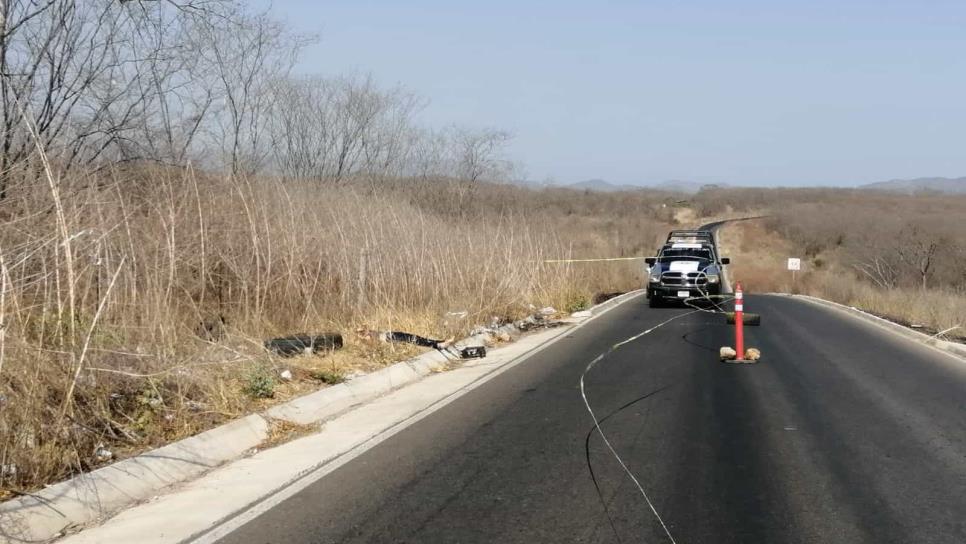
x,y
236,520
870,319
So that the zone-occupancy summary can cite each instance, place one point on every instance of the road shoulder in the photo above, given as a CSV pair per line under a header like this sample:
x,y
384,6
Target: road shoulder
x,y
230,495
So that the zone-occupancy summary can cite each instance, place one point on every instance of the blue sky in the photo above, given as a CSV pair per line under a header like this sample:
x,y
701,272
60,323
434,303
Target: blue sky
x,y
743,92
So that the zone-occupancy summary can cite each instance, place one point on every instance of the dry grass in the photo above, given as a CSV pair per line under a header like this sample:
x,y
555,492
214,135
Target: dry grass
x,y
134,303
759,256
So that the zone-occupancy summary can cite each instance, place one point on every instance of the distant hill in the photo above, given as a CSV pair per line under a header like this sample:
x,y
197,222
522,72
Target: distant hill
x,y
956,186
671,186
684,186
603,186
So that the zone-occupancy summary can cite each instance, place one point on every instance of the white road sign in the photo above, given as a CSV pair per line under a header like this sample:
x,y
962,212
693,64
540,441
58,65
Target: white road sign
x,y
794,263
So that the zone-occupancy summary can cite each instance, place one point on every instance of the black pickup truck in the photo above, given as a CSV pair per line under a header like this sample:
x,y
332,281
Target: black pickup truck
x,y
691,236
684,270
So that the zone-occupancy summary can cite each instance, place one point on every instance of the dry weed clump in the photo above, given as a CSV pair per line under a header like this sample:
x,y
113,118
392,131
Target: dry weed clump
x,y
134,303
853,253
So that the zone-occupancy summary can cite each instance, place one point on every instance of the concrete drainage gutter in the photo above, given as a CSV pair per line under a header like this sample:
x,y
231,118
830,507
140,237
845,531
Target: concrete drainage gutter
x,y
92,497
952,348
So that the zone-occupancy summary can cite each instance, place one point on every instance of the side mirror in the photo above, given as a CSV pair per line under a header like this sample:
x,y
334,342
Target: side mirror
x,y
725,260
650,261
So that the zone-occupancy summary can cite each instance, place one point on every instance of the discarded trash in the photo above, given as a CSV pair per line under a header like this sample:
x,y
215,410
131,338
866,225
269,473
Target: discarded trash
x,y
752,354
473,352
727,354
549,310
492,335
536,322
298,344
409,338
102,453
582,313
285,375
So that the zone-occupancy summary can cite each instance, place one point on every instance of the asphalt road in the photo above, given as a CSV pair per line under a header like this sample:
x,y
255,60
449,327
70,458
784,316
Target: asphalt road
x,y
842,433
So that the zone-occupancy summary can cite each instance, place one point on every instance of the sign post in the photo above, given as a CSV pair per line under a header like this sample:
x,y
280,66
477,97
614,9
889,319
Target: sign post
x,y
794,264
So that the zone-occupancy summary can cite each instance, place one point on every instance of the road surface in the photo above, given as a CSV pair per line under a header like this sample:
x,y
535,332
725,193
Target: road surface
x,y
842,433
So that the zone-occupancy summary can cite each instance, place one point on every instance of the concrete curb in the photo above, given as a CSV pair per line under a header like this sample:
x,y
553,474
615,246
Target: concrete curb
x,y
951,348
49,513
332,401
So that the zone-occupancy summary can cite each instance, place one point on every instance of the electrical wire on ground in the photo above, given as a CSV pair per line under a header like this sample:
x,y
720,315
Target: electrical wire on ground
x,y
690,302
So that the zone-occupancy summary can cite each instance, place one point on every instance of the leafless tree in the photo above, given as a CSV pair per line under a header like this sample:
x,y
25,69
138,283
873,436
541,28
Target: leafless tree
x,y
879,269
248,55
918,249
478,154
170,81
98,79
337,127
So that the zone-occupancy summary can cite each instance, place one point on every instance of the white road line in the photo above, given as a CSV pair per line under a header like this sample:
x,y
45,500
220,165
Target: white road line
x,y
233,523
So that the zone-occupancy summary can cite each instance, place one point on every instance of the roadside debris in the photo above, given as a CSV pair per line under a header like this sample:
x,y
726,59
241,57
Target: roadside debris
x,y
727,354
286,375
752,354
473,352
536,322
101,453
407,337
547,311
492,335
298,344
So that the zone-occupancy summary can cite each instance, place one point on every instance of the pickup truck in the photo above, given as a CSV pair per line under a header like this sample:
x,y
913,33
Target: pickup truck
x,y
682,271
691,236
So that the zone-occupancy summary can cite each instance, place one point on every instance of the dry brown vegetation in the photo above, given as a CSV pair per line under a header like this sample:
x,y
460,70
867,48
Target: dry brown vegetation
x,y
171,195
897,256
135,302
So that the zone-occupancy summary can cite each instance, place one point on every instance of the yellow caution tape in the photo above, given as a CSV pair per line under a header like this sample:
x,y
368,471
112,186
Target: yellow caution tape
x,y
593,260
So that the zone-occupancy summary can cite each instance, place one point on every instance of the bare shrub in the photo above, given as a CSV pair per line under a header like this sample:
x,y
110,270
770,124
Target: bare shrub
x,y
134,301
898,256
